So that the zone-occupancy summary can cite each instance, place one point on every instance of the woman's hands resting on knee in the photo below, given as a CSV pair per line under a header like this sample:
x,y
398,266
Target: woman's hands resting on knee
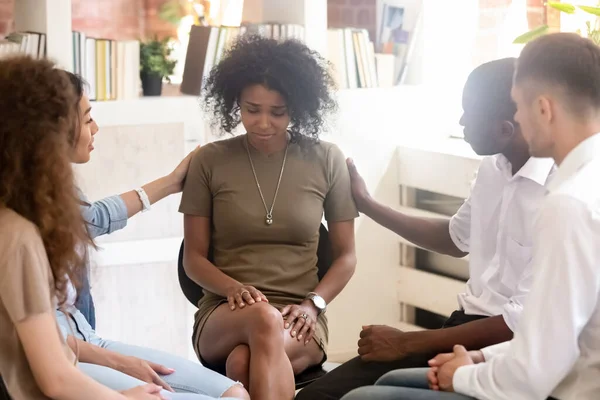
x,y
146,392
301,320
239,296
145,371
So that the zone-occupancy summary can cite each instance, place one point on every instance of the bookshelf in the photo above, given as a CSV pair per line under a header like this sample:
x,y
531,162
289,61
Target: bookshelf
x,y
52,18
350,50
312,14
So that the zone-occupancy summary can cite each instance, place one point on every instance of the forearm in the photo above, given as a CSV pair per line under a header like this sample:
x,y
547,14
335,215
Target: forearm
x,y
429,233
473,335
55,374
156,191
88,353
207,275
336,279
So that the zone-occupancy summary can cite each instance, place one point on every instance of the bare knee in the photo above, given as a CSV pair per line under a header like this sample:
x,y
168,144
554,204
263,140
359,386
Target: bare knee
x,y
238,364
265,326
238,392
265,321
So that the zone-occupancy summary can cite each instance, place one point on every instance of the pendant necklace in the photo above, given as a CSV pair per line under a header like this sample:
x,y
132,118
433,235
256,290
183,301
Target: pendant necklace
x,y
269,211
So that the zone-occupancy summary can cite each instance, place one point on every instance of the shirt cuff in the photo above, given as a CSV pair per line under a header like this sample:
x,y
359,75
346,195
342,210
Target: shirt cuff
x,y
463,379
492,351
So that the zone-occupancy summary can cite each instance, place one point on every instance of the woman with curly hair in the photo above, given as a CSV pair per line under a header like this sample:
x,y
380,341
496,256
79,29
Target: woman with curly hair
x,y
41,229
115,364
258,199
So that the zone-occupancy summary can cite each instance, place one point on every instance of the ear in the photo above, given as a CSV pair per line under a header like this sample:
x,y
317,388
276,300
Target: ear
x,y
508,129
544,108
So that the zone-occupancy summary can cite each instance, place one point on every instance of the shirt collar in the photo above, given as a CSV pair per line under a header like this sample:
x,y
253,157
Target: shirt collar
x,y
583,153
535,169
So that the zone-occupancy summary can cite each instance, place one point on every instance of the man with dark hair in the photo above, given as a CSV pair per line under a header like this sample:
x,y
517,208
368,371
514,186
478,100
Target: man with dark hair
x,y
556,347
494,226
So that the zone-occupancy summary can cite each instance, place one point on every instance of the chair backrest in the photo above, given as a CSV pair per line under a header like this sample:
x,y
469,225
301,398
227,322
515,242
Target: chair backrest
x,y
3,391
193,292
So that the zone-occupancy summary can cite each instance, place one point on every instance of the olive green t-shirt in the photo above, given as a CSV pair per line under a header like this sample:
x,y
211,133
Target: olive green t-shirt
x,y
25,290
278,259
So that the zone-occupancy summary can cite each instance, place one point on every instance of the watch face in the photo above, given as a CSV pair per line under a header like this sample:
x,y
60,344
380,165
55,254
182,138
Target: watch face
x,y
319,302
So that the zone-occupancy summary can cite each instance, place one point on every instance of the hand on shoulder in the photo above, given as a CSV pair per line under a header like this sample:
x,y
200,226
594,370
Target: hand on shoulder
x,y
179,174
359,187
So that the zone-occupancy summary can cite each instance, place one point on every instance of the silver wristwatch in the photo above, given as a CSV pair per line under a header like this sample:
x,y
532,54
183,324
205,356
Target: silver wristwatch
x,y
318,301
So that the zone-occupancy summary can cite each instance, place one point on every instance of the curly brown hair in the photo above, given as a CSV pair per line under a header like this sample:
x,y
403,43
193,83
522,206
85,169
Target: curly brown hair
x,y
36,177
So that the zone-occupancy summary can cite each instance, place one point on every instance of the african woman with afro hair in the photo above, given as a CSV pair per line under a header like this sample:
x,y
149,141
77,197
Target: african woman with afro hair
x,y
257,199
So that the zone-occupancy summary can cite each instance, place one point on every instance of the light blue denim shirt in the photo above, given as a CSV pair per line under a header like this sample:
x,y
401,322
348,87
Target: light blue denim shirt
x,y
103,217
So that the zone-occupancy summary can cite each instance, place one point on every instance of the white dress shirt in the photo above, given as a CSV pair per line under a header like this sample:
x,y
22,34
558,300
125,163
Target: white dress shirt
x,y
495,225
556,347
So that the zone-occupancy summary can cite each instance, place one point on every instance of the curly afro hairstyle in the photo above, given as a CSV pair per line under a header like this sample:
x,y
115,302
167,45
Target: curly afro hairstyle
x,y
299,74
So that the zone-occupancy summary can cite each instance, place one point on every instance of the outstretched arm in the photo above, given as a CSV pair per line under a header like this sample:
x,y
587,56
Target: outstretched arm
x,y
110,214
384,343
429,233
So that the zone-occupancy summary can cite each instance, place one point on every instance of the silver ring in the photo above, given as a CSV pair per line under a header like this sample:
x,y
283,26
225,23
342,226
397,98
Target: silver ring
x,y
244,291
305,316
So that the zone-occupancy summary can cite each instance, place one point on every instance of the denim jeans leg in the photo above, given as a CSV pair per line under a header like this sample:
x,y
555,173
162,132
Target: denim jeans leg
x,y
410,377
85,302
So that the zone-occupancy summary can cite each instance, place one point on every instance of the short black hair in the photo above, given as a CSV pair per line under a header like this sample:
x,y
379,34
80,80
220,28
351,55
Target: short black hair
x,y
289,67
566,61
492,82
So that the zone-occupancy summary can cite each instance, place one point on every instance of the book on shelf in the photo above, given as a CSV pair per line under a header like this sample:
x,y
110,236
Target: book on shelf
x,y
30,43
398,31
207,44
352,56
111,68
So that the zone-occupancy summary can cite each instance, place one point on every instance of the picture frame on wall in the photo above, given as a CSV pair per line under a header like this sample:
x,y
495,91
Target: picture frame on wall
x,y
398,23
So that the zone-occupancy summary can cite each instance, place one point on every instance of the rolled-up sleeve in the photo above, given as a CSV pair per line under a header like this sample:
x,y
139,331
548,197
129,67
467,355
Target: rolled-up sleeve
x,y
492,351
460,227
104,216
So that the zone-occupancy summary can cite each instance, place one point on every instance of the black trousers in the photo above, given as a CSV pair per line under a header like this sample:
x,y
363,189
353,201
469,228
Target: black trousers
x,y
356,373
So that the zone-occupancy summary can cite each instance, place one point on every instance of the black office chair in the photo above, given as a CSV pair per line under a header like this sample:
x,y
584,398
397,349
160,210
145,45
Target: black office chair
x,y
3,391
194,293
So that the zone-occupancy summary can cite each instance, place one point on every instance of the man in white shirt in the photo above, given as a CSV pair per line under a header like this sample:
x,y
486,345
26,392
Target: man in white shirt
x,y
494,226
556,347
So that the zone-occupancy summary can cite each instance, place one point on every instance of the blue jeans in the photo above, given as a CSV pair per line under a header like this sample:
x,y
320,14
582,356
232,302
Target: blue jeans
x,y
190,378
402,384
85,302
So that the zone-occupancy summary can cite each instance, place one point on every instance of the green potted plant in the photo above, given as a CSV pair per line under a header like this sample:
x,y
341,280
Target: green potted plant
x,y
592,32
155,65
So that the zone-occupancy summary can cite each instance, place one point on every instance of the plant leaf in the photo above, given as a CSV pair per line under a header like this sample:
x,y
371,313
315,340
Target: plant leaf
x,y
563,7
171,12
591,10
533,34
